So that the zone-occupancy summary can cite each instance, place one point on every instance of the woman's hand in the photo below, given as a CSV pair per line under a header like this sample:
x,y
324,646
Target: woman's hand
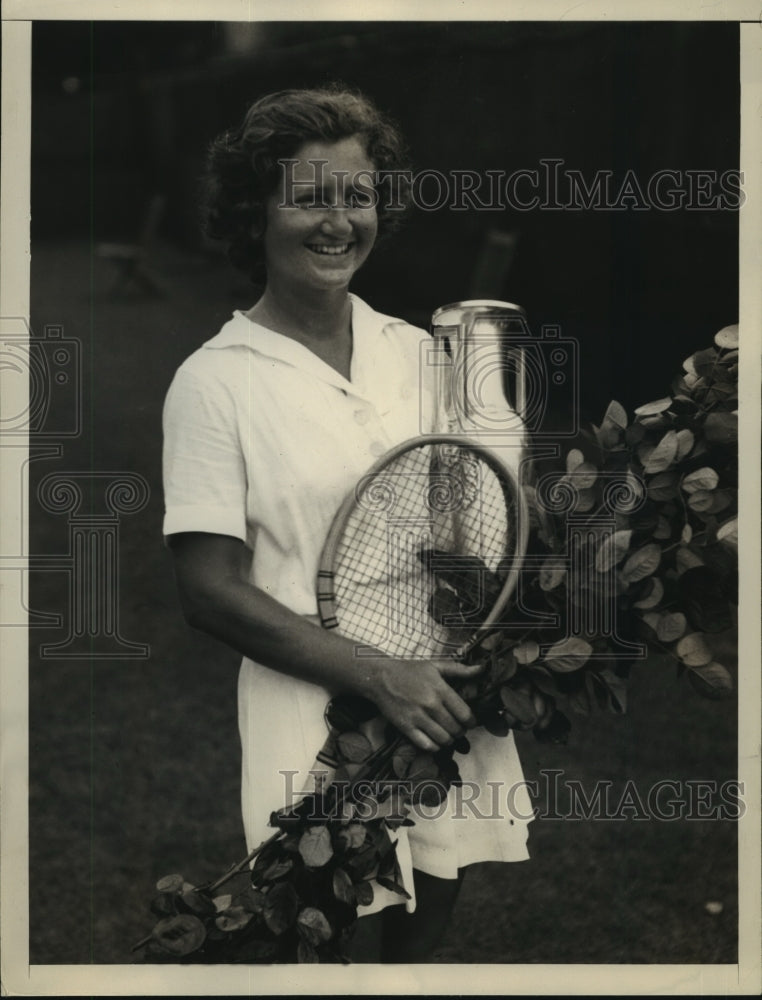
x,y
415,697
216,598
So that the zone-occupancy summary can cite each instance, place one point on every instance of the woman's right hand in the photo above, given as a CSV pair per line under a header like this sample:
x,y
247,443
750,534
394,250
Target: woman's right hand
x,y
415,697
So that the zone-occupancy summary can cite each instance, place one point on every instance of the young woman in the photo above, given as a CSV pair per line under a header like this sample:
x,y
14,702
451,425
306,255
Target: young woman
x,y
267,427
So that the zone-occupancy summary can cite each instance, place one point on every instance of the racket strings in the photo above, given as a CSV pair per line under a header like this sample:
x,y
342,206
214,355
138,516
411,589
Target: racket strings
x,y
436,517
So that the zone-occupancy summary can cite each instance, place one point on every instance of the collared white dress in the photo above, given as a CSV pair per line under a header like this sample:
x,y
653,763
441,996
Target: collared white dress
x,y
262,441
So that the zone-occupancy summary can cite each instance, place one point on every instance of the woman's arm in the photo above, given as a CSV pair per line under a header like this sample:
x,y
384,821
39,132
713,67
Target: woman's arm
x,y
217,598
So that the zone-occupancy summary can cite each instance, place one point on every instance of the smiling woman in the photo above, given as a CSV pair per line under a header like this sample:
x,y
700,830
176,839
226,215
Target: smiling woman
x,y
268,427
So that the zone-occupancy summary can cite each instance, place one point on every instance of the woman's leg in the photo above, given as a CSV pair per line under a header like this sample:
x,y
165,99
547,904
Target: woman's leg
x,y
368,936
412,937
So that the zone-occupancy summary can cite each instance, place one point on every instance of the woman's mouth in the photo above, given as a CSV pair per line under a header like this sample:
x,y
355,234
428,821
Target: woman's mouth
x,y
330,249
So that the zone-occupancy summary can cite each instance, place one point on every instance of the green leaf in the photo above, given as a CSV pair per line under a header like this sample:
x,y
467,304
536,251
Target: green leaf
x,y
504,666
607,435
179,935
352,837
444,605
701,479
423,768
652,596
343,889
277,869
702,362
616,414
552,573
543,679
315,846
686,559
671,626
722,500
663,486
496,724
721,428
364,892
198,903
568,655
711,681
364,862
313,926
634,434
657,406
652,619
252,900
392,807
431,794
617,691
527,652
305,953
612,550
663,455
655,421
727,337
584,476
387,883
702,501
662,530
685,442
555,731
348,711
233,919
170,883
519,705
403,758
586,500
727,533
693,650
280,907
580,701
354,747
642,563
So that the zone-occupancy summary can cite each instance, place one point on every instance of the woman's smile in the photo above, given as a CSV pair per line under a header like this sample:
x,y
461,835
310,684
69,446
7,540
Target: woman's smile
x,y
329,248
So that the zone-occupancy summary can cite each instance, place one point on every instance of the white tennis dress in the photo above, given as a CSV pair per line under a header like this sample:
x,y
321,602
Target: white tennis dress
x,y
262,441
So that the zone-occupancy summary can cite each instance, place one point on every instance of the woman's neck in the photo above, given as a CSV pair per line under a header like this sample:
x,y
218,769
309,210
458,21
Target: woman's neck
x,y
323,325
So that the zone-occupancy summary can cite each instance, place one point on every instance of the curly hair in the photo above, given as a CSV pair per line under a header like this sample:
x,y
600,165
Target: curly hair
x,y
243,169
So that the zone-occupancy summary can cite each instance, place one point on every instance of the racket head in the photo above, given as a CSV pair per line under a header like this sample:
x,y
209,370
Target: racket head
x,y
424,554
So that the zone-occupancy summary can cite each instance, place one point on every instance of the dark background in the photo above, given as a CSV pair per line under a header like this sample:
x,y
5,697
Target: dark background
x,y
134,763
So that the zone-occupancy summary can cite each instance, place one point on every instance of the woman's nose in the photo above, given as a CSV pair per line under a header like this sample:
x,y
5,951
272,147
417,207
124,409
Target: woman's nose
x,y
337,221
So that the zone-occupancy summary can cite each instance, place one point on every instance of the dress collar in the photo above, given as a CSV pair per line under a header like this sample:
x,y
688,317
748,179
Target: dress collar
x,y
368,328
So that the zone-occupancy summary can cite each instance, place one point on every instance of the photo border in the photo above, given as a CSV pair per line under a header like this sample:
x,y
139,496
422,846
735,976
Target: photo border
x,y
21,979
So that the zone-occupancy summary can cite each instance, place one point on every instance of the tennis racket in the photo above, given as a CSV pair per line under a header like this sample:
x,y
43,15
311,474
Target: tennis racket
x,y
424,554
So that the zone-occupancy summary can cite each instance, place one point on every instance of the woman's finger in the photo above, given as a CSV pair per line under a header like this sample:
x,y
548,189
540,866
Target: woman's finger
x,y
440,729
458,708
454,668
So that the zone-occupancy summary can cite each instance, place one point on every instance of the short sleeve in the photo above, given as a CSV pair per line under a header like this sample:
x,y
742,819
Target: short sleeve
x,y
203,466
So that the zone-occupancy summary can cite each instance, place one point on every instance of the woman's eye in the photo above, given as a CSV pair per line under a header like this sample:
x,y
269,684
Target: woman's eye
x,y
360,199
321,203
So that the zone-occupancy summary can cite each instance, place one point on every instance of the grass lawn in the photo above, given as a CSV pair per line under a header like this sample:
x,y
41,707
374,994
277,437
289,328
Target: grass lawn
x,y
134,764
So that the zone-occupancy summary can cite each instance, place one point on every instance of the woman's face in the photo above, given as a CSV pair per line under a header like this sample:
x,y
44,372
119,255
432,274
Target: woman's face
x,y
321,222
